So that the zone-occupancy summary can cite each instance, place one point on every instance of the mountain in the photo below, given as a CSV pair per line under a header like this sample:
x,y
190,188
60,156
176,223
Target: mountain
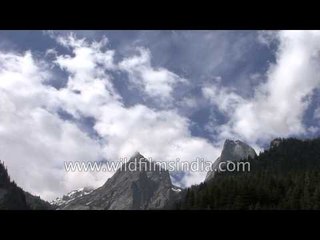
x,y
137,185
286,176
232,151
61,202
13,197
36,203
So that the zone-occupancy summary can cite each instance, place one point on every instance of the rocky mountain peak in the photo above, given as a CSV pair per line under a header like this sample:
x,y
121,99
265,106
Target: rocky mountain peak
x,y
136,160
236,150
232,151
134,186
136,155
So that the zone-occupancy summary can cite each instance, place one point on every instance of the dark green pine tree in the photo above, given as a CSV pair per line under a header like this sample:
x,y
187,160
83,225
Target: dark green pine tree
x,y
283,177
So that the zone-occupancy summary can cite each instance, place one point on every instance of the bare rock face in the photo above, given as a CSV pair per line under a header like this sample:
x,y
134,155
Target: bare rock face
x,y
232,151
137,185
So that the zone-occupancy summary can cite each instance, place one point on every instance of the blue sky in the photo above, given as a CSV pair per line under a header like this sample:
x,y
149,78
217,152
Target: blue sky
x,y
92,95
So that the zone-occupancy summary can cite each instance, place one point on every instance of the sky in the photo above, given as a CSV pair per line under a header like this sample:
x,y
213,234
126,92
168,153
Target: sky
x,y
103,95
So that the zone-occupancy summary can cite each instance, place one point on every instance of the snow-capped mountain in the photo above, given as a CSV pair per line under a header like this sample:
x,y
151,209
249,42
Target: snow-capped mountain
x,y
64,200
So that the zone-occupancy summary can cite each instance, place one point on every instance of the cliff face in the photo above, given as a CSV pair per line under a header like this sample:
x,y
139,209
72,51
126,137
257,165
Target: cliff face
x,y
146,187
232,151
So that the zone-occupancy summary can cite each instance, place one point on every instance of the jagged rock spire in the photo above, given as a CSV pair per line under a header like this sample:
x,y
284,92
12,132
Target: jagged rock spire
x,y
232,151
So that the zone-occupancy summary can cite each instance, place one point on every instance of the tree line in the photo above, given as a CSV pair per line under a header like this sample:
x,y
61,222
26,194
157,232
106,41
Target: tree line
x,y
286,176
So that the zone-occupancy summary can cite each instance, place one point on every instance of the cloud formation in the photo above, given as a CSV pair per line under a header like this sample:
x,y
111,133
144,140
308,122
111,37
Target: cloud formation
x,y
34,135
34,140
155,82
41,125
160,134
278,104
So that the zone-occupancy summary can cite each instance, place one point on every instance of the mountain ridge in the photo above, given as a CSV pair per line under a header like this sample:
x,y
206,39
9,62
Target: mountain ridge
x,y
149,188
12,197
285,176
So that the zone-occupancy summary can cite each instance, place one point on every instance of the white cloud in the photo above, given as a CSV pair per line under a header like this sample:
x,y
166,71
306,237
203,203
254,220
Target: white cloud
x,y
155,82
162,135
226,100
35,141
278,105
